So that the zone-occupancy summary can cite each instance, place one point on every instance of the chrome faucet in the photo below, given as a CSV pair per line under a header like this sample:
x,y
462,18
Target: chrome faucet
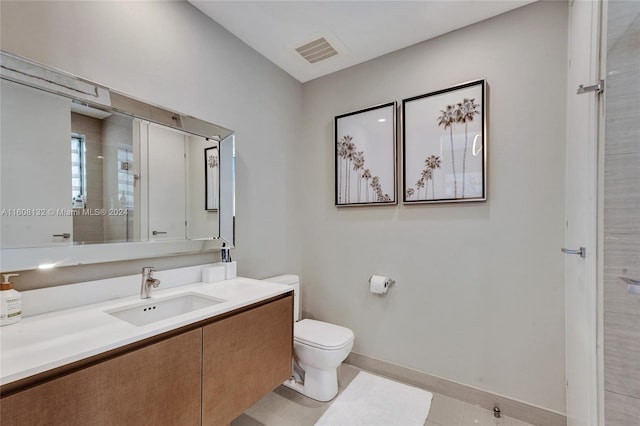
x,y
147,282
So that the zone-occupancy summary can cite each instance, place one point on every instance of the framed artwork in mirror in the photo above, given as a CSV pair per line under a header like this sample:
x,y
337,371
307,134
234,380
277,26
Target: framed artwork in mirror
x,y
365,157
444,146
211,163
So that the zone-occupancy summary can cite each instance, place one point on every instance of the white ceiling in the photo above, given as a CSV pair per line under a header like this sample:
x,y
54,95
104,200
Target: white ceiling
x,y
359,30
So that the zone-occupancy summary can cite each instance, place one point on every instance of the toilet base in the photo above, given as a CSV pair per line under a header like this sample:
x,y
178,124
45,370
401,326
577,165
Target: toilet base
x,y
321,385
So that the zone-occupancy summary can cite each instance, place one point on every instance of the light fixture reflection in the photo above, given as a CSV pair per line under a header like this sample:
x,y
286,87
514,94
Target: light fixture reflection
x,y
382,120
47,266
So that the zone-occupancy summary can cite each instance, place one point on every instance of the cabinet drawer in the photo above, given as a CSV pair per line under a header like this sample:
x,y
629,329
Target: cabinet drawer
x,y
156,385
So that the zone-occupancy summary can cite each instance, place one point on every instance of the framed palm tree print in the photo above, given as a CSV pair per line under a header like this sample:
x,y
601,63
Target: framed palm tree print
x,y
211,172
444,148
365,157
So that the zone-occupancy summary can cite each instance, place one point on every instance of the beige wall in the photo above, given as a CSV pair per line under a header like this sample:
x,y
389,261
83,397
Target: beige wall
x,y
170,54
479,296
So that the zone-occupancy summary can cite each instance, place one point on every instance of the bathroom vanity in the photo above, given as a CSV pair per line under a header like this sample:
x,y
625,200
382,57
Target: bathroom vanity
x,y
125,180
83,366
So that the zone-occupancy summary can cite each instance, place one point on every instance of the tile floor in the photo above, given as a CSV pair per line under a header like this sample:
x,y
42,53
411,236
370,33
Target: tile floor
x,y
285,407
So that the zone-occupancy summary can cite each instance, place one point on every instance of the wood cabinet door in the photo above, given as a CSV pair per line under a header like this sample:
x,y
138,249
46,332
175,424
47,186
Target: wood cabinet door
x,y
157,385
245,357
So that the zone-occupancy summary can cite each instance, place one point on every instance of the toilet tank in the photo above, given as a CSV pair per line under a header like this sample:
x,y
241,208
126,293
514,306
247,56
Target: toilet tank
x,y
294,281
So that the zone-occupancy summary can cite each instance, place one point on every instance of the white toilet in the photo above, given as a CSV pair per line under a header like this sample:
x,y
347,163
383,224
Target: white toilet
x,y
319,349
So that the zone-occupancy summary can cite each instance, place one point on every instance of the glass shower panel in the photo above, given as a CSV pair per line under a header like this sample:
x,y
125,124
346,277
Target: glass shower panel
x,y
622,215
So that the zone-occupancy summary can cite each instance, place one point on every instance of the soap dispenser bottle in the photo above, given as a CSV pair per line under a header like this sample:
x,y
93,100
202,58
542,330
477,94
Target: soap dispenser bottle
x,y
10,301
229,265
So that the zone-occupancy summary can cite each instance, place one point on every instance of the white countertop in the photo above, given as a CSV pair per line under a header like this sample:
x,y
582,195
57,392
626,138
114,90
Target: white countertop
x,y
49,340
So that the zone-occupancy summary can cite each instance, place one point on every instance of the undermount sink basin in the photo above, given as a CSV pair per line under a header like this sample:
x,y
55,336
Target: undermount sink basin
x,y
160,309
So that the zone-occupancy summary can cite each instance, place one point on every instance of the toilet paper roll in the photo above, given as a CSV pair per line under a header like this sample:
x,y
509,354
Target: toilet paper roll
x,y
378,284
213,274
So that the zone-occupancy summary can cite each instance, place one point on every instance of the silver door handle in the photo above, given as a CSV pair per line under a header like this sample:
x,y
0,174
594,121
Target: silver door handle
x,y
158,232
633,286
65,235
581,251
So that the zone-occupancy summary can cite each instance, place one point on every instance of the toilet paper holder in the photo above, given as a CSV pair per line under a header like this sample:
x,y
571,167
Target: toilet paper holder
x,y
389,281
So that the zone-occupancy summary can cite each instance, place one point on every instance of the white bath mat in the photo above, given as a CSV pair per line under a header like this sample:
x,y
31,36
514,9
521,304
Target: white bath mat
x,y
374,401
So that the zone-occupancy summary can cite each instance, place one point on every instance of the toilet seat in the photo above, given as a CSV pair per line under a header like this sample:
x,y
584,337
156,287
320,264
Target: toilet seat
x,y
322,335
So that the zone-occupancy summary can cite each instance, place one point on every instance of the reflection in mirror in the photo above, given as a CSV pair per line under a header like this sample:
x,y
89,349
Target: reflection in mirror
x,y
228,190
102,200
36,167
176,184
211,162
102,177
82,166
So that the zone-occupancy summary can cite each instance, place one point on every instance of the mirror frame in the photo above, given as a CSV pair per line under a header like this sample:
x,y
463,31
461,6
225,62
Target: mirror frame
x,y
24,71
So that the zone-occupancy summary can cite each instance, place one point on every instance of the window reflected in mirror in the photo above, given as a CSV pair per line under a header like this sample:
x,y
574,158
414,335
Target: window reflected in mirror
x,y
78,171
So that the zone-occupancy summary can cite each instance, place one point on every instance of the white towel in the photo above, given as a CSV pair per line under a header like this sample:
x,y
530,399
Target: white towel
x,y
374,401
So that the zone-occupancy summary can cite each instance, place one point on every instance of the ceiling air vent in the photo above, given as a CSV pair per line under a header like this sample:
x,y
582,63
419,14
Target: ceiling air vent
x,y
316,50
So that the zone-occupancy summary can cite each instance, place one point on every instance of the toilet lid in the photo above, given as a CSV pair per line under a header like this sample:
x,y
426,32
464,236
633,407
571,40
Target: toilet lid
x,y
321,335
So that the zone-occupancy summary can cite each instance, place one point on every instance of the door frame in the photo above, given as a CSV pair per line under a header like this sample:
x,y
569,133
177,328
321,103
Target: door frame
x,y
585,278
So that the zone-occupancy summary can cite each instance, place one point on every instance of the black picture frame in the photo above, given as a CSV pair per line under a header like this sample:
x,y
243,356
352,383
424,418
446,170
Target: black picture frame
x,y
444,145
211,178
365,151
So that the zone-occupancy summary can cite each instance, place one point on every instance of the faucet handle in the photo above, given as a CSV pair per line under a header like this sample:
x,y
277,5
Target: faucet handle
x,y
148,270
148,281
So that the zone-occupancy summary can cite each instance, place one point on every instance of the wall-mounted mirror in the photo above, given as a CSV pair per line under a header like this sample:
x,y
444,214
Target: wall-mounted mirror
x,y
90,175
